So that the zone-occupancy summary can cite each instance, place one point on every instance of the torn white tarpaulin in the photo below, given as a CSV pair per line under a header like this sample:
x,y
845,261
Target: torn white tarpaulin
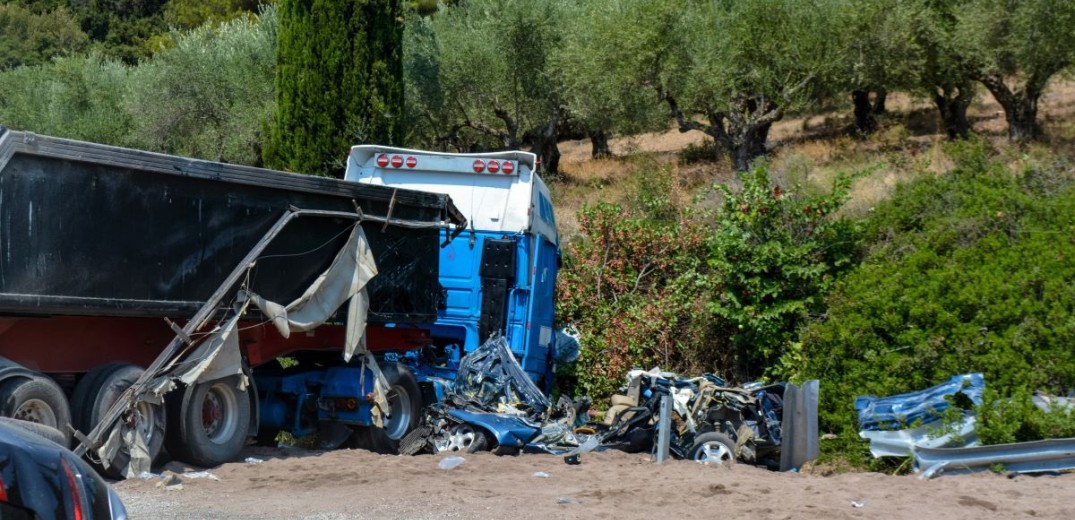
x,y
216,357
129,439
345,279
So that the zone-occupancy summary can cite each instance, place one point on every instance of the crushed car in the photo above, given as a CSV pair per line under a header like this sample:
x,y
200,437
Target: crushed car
x,y
494,406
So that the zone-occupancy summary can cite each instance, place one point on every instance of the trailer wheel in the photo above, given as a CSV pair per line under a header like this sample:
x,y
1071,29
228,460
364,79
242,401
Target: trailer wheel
x,y
36,399
405,405
713,448
98,390
208,422
404,401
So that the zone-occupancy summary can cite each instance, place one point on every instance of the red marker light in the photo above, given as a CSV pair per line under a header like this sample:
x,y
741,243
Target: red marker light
x,y
479,165
508,167
397,161
382,160
494,166
412,161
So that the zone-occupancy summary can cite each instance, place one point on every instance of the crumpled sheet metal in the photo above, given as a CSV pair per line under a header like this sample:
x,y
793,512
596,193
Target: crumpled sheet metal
x,y
490,376
898,411
898,443
1021,457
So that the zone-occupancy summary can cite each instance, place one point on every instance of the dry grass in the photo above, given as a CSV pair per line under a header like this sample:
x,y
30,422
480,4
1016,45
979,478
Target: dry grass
x,y
808,151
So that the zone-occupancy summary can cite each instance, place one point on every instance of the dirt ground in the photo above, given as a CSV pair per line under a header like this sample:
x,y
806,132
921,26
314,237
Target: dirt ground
x,y
353,484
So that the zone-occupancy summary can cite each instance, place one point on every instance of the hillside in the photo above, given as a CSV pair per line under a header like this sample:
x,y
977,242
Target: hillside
x,y
909,134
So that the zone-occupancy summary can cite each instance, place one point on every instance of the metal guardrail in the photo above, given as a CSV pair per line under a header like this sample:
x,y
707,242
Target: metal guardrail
x,y
1023,457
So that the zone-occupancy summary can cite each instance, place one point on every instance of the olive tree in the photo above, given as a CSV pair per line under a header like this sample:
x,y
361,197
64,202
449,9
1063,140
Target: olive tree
x,y
1017,46
599,90
727,68
945,73
77,97
209,95
877,52
479,76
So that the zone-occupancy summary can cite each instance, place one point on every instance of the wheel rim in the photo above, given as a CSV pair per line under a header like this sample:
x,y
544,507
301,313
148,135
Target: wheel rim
x,y
462,437
399,409
713,452
38,411
218,413
146,421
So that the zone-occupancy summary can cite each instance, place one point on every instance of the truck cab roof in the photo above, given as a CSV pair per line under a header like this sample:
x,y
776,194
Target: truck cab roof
x,y
496,191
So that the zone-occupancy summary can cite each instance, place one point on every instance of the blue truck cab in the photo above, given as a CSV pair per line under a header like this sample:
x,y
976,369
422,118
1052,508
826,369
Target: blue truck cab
x,y
499,275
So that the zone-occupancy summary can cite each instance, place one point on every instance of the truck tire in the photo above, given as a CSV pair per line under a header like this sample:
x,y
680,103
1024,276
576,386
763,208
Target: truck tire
x,y
405,403
97,392
39,429
38,399
208,422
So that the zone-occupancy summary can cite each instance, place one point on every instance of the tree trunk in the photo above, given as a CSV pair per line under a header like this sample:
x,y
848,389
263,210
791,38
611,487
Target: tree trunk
x,y
599,142
749,145
952,103
545,145
880,96
1020,108
865,123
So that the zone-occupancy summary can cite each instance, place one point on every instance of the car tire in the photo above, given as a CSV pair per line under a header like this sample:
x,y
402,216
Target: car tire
x,y
713,448
208,422
38,399
47,432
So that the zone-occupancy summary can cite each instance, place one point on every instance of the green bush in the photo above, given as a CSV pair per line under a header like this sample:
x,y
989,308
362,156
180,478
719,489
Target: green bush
x,y
968,271
696,291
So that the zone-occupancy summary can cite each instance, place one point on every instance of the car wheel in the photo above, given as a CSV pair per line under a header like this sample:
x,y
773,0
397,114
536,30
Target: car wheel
x,y
467,438
713,448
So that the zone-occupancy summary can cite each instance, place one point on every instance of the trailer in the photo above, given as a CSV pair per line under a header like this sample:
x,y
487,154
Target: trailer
x,y
155,303
105,250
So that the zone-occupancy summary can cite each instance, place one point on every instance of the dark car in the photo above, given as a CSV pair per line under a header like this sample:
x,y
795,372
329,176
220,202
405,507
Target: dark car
x,y
41,480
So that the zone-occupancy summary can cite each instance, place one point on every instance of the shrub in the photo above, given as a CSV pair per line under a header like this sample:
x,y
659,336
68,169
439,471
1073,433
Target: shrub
x,y
692,291
968,271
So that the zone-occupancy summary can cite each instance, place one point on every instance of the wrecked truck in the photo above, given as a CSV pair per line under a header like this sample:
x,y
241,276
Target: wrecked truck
x,y
146,298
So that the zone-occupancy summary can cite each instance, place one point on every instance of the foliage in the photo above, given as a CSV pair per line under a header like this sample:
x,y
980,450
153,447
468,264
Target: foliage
x,y
969,271
338,82
661,285
189,14
208,95
74,97
480,76
30,38
775,253
1016,47
629,284
1014,418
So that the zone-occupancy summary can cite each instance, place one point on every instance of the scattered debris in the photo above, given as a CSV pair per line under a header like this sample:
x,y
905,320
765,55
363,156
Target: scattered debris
x,y
541,474
856,503
566,500
451,462
895,425
253,461
201,474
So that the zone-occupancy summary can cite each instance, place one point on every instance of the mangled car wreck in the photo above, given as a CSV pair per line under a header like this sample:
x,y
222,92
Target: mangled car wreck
x,y
494,406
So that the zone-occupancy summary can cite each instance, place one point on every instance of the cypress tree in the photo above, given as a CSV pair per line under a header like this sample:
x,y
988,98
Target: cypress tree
x,y
339,82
